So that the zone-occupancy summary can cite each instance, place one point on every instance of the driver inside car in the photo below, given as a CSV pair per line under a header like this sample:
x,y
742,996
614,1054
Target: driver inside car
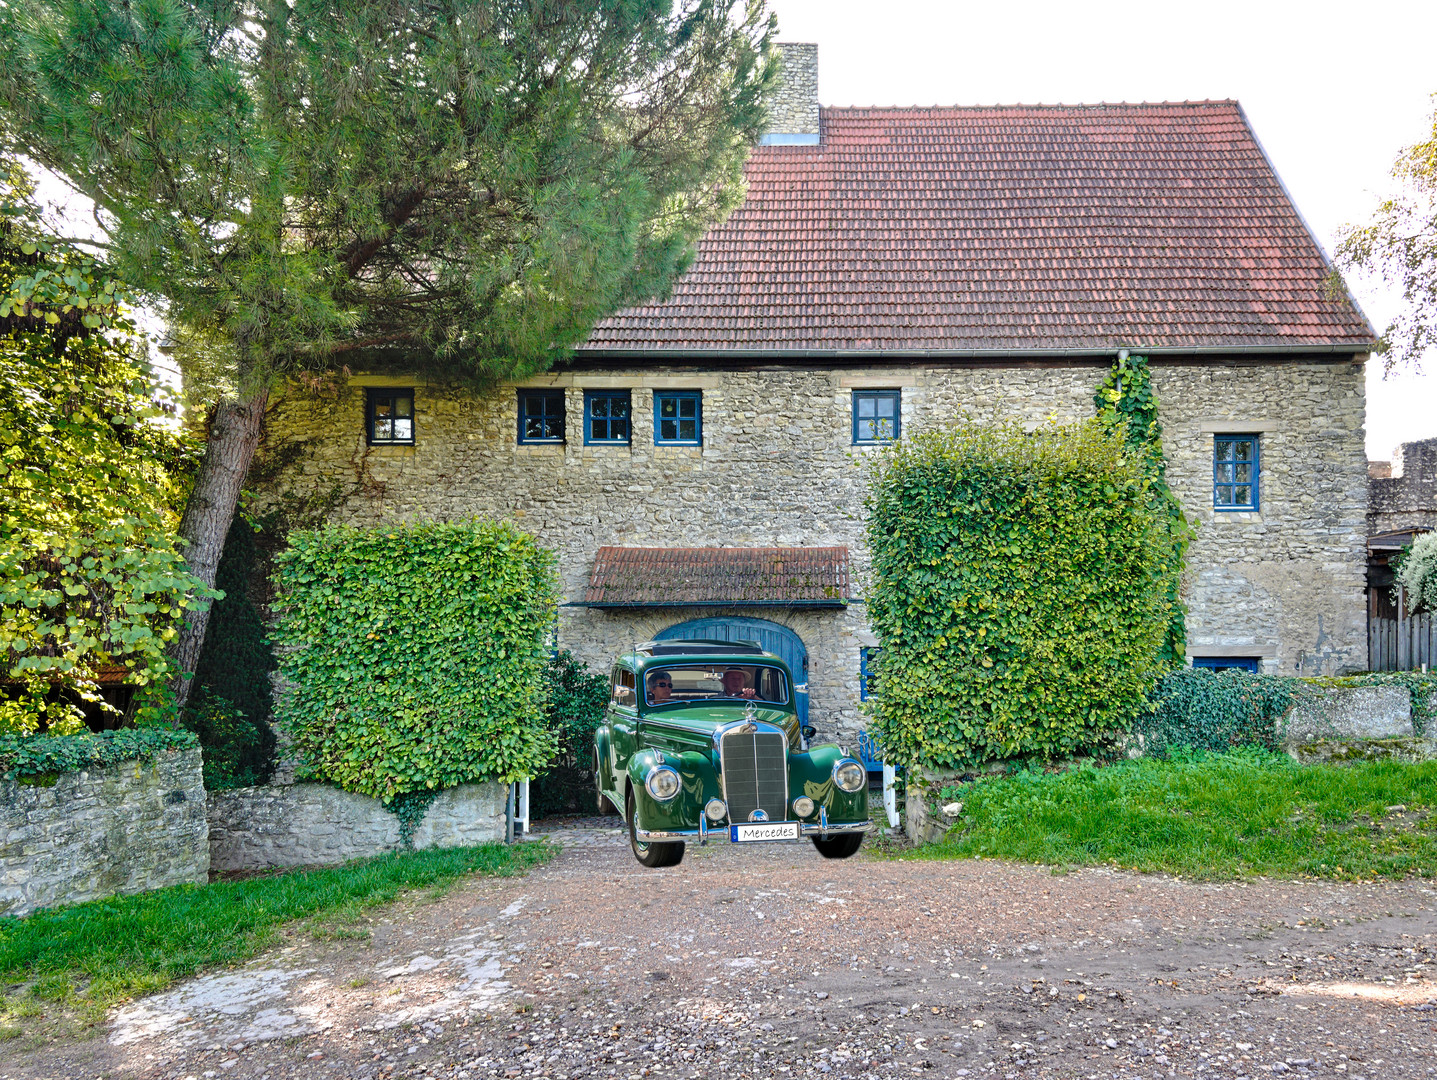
x,y
661,687
733,684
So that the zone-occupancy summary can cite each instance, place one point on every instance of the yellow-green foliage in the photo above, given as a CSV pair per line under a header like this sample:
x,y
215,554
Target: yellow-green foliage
x,y
1018,590
90,573
416,654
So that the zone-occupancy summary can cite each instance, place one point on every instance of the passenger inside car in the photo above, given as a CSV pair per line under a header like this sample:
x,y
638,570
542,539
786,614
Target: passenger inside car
x,y
742,682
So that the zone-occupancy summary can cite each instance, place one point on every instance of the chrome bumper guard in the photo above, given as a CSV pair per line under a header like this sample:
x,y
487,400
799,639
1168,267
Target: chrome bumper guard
x,y
823,829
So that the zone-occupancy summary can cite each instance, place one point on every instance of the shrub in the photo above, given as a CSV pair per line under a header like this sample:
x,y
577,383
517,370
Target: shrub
x,y
1018,589
1197,709
577,698
90,573
1418,573
230,704
415,654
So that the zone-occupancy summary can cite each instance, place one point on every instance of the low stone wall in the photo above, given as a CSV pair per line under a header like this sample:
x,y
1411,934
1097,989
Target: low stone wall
x,y
98,832
290,824
1348,713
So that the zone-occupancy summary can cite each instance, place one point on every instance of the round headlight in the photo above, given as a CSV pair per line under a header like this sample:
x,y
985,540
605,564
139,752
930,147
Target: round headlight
x,y
715,810
850,776
802,806
663,783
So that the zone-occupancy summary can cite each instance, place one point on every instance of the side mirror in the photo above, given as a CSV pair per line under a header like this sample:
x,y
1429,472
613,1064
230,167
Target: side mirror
x,y
809,731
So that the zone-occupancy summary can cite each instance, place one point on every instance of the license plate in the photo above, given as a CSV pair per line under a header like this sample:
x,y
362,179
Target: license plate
x,y
763,830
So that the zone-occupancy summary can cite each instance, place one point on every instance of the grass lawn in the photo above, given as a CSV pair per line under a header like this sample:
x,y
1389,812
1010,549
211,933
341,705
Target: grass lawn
x,y
80,959
1215,816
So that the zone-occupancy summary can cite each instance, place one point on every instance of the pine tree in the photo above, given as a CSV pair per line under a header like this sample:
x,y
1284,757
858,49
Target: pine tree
x,y
307,184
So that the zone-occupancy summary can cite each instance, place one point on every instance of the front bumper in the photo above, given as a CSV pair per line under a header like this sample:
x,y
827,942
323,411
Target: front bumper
x,y
822,829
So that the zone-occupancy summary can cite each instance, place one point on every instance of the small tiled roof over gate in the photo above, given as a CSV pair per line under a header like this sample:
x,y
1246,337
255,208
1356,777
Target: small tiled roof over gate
x,y
1006,230
729,577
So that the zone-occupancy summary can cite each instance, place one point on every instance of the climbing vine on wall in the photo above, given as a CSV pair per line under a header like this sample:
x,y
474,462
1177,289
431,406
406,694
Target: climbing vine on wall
x,y
1126,403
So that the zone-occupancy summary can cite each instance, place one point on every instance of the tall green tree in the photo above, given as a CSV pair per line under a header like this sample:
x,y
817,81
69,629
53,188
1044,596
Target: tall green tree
x,y
1400,245
90,574
308,183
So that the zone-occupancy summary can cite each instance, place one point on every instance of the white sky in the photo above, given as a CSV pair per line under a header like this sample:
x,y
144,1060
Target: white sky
x,y
1333,90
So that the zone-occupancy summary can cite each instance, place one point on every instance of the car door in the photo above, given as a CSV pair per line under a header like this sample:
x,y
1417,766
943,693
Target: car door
x,y
623,723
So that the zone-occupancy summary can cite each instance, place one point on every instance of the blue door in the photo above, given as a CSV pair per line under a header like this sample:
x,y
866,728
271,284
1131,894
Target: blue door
x,y
779,640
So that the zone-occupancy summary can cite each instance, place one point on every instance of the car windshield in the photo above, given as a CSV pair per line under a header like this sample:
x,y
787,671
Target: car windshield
x,y
716,682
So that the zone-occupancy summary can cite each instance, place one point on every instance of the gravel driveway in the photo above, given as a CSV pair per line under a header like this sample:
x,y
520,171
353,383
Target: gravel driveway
x,y
776,963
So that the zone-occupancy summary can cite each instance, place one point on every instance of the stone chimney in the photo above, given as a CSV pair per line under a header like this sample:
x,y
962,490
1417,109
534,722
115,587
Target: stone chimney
x,y
793,119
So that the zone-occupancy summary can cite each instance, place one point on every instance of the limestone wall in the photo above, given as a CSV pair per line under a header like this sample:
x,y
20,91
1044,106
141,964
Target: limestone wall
x,y
289,824
777,468
1285,583
1404,494
98,832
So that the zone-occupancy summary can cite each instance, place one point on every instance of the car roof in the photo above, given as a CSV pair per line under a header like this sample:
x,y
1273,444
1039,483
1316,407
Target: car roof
x,y
665,653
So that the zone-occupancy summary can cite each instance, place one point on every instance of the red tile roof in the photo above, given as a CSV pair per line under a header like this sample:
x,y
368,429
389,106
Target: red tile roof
x,y
670,577
1006,229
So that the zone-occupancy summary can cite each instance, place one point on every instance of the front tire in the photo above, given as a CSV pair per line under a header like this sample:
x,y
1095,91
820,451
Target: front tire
x,y
651,855
839,847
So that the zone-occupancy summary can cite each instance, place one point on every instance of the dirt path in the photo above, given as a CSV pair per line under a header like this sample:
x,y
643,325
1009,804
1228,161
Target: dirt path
x,y
776,963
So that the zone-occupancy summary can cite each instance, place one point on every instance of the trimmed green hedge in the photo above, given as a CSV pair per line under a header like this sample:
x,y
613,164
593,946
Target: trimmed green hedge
x,y
415,654
1019,589
45,755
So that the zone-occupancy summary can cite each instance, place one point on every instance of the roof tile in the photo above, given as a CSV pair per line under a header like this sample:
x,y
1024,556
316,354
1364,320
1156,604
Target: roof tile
x,y
1011,228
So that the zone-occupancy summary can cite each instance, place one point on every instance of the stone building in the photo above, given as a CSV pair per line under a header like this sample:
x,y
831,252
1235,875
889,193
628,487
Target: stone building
x,y
699,463
1402,493
1401,506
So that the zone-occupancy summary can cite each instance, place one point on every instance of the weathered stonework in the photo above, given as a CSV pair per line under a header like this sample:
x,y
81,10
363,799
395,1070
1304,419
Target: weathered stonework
x,y
778,468
1403,492
793,108
289,824
100,832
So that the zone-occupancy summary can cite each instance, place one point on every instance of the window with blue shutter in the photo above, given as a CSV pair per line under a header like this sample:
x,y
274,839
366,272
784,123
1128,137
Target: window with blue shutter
x,y
541,416
678,418
607,416
875,416
1234,472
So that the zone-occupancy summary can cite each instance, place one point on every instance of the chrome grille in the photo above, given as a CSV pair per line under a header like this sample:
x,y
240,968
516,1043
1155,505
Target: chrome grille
x,y
755,774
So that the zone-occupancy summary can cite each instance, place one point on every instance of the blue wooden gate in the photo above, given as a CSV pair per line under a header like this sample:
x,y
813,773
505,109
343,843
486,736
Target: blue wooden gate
x,y
779,640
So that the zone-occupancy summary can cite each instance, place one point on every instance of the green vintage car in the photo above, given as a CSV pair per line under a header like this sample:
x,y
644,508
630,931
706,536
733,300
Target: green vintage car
x,y
702,742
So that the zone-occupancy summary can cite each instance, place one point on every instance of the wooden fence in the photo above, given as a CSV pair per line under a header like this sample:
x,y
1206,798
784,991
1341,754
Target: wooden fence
x,y
1404,644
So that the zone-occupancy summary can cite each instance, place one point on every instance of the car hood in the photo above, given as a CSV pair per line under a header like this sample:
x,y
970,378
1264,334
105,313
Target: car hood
x,y
711,717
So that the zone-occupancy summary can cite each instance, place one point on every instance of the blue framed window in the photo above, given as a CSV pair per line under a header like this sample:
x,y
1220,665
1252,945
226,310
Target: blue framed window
x,y
1250,664
876,416
867,675
1234,472
541,416
607,417
678,418
389,415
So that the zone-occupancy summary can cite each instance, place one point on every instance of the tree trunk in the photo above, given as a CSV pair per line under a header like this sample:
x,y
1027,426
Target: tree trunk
x,y
233,439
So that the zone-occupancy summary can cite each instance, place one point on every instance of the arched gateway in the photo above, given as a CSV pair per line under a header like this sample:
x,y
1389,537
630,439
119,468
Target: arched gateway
x,y
779,640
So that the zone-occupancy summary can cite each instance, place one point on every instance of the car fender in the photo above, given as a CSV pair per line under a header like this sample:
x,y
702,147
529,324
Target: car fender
x,y
811,773
698,784
603,757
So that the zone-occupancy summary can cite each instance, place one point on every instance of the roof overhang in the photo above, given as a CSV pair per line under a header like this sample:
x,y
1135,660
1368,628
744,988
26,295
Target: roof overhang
x,y
789,577
1345,349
